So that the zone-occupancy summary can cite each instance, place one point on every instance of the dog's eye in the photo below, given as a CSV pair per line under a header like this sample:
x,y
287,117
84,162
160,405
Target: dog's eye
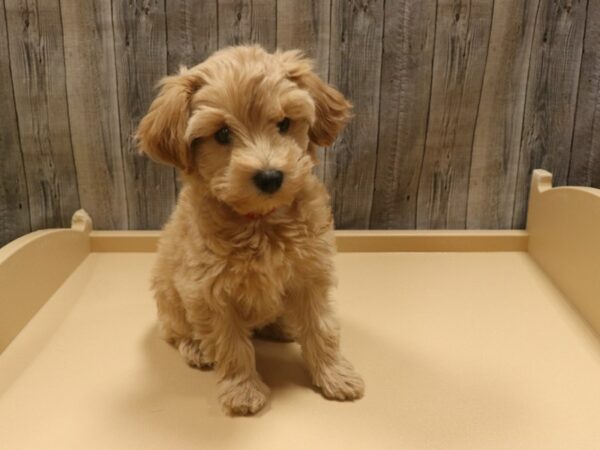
x,y
223,136
284,125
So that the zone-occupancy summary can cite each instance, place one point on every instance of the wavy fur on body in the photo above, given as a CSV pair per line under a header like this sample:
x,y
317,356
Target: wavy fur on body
x,y
233,259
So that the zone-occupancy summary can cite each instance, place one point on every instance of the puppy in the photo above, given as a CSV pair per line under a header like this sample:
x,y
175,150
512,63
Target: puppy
x,y
250,243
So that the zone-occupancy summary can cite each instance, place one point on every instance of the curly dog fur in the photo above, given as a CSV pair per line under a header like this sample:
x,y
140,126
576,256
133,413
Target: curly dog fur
x,y
233,258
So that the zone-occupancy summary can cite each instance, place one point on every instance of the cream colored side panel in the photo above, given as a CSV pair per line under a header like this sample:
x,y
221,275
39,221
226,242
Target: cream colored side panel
x,y
33,267
564,228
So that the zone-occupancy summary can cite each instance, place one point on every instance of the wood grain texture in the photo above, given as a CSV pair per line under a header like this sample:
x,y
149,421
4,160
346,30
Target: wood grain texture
x,y
462,34
456,101
405,93
585,153
357,30
551,96
38,69
93,110
305,25
14,203
141,46
248,21
494,165
191,32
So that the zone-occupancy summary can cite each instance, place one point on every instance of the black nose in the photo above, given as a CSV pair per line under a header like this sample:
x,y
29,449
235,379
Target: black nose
x,y
268,181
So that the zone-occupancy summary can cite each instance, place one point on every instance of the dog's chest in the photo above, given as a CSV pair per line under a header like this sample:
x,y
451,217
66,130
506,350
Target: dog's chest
x,y
257,272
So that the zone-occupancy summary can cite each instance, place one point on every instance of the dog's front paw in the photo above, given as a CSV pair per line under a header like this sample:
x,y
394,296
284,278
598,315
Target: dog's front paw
x,y
243,398
339,381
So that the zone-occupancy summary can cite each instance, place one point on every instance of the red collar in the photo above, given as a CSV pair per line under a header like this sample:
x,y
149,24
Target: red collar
x,y
256,216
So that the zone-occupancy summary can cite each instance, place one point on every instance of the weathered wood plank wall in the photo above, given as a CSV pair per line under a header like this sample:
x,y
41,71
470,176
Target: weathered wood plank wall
x,y
461,44
14,199
456,101
140,35
554,69
406,71
356,29
39,86
497,139
94,110
585,147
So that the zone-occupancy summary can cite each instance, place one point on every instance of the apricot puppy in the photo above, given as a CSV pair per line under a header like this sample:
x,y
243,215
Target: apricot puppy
x,y
250,243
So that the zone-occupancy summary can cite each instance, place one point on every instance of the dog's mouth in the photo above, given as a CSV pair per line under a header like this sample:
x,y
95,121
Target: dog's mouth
x,y
251,206
256,211
253,216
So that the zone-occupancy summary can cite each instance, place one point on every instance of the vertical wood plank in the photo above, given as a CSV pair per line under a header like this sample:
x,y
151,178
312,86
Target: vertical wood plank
x,y
191,31
462,34
38,69
141,45
93,110
494,166
305,25
355,68
405,93
551,96
14,203
585,153
248,21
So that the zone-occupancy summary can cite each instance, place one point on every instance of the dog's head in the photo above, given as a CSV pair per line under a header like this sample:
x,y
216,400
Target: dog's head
x,y
245,123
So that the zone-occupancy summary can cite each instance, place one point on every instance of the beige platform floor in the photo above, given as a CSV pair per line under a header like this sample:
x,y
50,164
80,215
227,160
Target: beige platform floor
x,y
458,351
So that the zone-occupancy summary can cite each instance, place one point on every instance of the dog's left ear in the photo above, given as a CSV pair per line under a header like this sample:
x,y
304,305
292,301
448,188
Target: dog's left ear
x,y
331,107
160,133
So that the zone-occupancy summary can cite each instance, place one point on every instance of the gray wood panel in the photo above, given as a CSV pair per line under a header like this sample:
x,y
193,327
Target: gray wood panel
x,y
456,101
585,154
305,25
38,70
493,175
551,96
248,21
14,203
357,30
93,110
405,93
461,42
191,31
141,45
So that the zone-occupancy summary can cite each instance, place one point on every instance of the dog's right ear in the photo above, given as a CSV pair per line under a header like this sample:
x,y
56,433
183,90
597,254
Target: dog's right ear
x,y
160,133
